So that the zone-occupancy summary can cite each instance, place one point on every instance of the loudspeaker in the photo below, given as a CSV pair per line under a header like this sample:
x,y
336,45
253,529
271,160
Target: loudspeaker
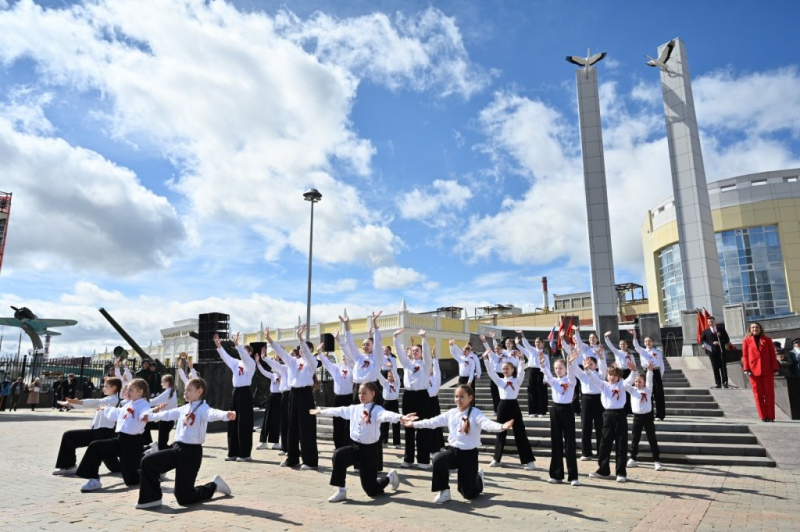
x,y
210,324
257,346
328,343
649,326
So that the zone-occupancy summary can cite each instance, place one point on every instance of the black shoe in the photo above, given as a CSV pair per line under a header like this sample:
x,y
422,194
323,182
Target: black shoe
x,y
725,385
716,387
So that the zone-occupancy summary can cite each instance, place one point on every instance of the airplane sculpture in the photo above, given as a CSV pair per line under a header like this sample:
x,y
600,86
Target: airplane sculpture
x,y
34,326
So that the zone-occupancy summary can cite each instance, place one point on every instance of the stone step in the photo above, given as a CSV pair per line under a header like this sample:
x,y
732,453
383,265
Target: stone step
x,y
523,397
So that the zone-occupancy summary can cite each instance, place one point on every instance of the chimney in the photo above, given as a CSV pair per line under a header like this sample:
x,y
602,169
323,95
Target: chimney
x,y
544,294
46,346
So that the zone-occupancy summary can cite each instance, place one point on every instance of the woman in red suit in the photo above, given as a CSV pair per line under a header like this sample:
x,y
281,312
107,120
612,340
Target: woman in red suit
x,y
760,363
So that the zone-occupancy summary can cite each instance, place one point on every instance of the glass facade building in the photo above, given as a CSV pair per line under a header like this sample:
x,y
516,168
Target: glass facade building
x,y
671,277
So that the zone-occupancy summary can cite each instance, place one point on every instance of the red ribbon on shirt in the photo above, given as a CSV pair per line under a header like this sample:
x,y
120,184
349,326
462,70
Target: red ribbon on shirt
x,y
300,366
365,364
416,369
564,387
464,426
615,394
129,411
344,373
366,417
391,387
644,397
509,383
241,370
189,421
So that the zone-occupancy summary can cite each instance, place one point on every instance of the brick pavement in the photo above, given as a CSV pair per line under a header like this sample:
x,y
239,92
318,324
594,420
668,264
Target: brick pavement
x,y
268,497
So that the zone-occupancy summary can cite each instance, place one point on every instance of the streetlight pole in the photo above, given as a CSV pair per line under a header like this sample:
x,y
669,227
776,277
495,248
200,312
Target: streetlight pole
x,y
312,195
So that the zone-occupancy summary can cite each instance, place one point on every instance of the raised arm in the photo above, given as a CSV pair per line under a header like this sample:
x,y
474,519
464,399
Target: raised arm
x,y
306,353
427,361
247,360
400,350
648,380
165,415
278,348
547,375
495,378
229,361
329,366
477,366
183,377
456,352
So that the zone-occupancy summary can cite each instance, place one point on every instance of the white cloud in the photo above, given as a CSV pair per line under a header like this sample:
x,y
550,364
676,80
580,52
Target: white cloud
x,y
337,287
436,205
395,277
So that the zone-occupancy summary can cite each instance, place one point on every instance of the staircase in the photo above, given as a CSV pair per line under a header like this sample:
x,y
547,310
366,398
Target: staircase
x,y
693,432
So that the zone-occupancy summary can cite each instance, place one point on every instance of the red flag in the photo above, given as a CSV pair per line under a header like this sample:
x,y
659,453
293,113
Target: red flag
x,y
702,323
570,331
560,330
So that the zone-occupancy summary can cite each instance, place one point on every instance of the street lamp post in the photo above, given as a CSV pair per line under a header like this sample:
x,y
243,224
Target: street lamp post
x,y
313,196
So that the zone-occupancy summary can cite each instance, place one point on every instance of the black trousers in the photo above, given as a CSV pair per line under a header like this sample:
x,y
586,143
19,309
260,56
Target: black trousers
x,y
302,437
646,422
591,418
391,406
185,459
720,368
437,434
126,447
271,426
576,400
537,392
285,421
658,395
615,434
628,410
508,409
417,401
562,440
365,458
494,392
466,462
73,439
341,426
240,430
164,428
147,438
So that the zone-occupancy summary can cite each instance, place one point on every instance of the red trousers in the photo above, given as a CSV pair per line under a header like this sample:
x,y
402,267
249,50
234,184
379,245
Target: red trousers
x,y
764,394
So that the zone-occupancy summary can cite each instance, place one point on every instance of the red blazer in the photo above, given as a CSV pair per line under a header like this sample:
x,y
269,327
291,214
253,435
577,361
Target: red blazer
x,y
761,361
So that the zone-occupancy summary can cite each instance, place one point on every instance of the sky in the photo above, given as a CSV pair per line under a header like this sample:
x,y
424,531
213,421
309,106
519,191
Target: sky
x,y
158,162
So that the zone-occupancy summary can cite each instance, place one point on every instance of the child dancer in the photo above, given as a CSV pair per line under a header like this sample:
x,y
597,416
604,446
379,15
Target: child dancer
x,y
302,436
647,355
102,429
367,363
641,402
186,454
434,383
128,442
240,431
562,417
495,358
271,426
365,421
417,367
508,409
622,357
391,392
285,389
464,424
342,375
591,402
537,392
192,373
615,423
469,367
170,398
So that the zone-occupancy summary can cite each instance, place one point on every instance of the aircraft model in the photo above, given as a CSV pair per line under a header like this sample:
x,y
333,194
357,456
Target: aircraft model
x,y
35,326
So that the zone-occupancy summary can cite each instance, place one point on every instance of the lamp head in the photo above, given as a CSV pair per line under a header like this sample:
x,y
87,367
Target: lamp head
x,y
312,195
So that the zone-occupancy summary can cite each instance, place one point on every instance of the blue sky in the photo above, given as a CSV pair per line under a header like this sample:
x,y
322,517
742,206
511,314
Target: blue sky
x,y
158,165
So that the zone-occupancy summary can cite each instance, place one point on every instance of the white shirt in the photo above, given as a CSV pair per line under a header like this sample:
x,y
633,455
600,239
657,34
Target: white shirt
x,y
282,374
100,421
163,397
192,375
532,354
366,367
612,395
455,421
468,366
648,355
562,389
497,361
274,379
391,390
417,371
595,351
365,420
243,369
435,380
187,429
620,356
127,416
389,362
300,371
342,376
642,400
507,387
588,386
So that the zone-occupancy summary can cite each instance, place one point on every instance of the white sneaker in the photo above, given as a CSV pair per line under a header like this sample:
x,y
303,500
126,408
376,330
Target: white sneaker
x,y
151,504
594,474
621,479
262,447
394,479
282,453
442,496
339,496
494,463
150,450
65,471
406,465
245,459
554,481
530,466
305,467
574,483
587,458
93,485
222,486
424,466
230,458
276,446
658,467
483,477
632,463
285,463
398,446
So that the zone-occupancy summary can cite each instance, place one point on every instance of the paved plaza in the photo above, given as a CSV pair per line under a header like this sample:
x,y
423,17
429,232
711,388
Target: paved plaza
x,y
268,497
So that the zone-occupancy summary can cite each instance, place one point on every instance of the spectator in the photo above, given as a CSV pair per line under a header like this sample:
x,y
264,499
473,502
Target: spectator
x,y
760,363
57,386
714,340
5,393
70,387
794,356
33,393
148,374
88,388
16,392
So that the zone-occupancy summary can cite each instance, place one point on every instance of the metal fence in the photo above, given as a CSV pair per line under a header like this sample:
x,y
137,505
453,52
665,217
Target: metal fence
x,y
47,370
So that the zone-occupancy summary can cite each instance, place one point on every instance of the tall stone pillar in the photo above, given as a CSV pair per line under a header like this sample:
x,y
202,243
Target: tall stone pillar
x,y
604,293
702,279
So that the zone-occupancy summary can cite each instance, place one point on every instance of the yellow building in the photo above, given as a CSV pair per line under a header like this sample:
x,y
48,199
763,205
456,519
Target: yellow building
x,y
757,224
